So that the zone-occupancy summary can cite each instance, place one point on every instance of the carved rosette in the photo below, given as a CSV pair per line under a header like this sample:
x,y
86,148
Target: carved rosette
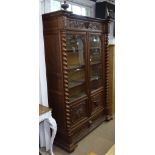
x,y
107,80
65,78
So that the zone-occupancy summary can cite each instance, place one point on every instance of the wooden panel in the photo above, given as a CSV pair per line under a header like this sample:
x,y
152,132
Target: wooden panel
x,y
79,112
52,54
97,102
50,25
56,101
54,81
88,126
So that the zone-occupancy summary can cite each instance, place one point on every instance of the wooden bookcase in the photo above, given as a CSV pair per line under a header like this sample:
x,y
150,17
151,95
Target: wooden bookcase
x,y
77,66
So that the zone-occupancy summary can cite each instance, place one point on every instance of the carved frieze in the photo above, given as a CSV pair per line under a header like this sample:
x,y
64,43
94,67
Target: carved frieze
x,y
80,24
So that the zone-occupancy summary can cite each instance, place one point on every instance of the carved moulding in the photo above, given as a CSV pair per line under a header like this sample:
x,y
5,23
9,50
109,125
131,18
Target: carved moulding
x,y
80,24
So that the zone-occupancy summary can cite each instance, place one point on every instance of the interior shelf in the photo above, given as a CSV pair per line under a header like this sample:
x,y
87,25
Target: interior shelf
x,y
95,78
95,48
73,67
80,95
73,50
95,63
75,83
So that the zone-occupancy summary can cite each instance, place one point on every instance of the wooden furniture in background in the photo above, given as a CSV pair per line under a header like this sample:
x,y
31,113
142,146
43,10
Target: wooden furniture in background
x,y
77,67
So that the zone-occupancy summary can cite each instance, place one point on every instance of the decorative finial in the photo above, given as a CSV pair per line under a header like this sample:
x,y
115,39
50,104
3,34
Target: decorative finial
x,y
65,5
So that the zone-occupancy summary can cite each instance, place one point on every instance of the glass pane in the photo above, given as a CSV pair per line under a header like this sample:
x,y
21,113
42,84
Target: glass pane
x,y
96,72
95,49
76,92
83,13
76,9
75,51
55,5
95,55
76,75
76,66
95,62
95,41
96,76
88,11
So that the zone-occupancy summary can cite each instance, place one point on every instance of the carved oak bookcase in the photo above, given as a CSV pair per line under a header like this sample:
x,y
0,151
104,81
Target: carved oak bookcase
x,y
77,68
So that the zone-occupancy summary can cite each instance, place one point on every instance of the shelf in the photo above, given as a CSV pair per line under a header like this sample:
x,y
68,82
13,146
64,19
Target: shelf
x,y
95,78
95,63
95,48
81,95
96,84
75,83
74,50
73,67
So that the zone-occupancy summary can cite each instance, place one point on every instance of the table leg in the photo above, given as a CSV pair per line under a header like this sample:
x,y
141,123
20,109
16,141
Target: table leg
x,y
53,126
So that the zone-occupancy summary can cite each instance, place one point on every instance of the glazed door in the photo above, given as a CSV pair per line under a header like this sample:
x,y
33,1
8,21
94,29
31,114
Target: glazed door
x,y
76,64
95,62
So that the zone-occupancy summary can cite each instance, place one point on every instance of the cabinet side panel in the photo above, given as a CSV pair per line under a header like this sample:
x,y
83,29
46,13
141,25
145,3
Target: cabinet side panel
x,y
52,52
54,76
108,109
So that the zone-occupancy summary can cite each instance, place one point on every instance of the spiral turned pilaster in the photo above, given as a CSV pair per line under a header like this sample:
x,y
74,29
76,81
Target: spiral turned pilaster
x,y
65,80
107,80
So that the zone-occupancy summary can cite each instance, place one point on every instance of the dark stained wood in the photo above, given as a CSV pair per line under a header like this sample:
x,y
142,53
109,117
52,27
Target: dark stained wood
x,y
75,118
112,75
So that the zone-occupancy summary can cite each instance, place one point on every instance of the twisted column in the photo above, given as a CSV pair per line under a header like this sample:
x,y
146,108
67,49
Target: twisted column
x,y
65,79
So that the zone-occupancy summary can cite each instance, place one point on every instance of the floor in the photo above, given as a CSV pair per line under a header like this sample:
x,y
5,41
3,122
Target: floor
x,y
98,142
111,150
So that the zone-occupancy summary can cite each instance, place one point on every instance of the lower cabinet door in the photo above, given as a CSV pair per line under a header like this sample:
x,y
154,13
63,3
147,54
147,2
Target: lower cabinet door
x,y
79,112
97,102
